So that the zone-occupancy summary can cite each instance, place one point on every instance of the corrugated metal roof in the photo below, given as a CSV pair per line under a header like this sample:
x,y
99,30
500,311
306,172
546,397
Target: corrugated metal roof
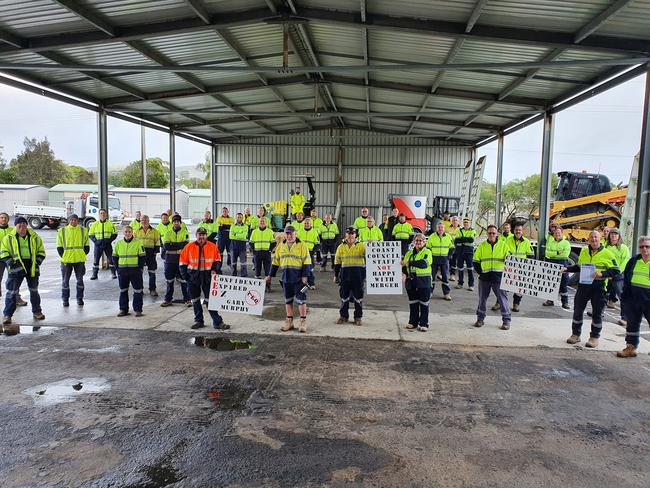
x,y
418,31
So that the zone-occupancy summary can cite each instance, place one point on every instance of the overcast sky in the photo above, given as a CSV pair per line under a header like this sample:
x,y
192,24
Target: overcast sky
x,y
599,135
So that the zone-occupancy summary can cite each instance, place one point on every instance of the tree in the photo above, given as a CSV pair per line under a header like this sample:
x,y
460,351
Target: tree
x,y
157,174
36,164
81,175
6,175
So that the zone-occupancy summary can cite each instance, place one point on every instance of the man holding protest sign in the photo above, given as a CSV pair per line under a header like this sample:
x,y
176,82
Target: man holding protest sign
x,y
349,273
520,247
592,288
558,250
292,258
489,259
199,260
416,276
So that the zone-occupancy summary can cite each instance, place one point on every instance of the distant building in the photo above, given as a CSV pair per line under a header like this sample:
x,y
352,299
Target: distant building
x,y
64,192
199,202
150,201
11,195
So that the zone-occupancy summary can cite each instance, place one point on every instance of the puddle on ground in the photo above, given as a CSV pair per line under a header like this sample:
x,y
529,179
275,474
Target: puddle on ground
x,y
100,350
161,475
67,390
221,343
229,397
12,330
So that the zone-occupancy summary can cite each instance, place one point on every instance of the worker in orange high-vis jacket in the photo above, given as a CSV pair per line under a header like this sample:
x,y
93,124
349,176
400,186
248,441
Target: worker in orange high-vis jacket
x,y
199,261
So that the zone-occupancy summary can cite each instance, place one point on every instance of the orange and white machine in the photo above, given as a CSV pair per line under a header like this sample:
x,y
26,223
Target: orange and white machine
x,y
414,207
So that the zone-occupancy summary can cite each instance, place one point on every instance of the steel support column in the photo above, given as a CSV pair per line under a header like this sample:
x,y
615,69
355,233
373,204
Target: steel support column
x,y
545,188
172,171
102,158
497,203
143,154
213,182
642,209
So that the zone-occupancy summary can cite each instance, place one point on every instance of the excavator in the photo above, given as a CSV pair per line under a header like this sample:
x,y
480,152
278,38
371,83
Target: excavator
x,y
585,202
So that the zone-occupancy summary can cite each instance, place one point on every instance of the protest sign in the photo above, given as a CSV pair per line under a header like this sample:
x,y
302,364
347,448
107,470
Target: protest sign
x,y
531,277
383,268
236,294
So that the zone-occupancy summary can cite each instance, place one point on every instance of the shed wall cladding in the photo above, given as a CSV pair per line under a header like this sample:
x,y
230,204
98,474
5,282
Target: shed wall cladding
x,y
374,166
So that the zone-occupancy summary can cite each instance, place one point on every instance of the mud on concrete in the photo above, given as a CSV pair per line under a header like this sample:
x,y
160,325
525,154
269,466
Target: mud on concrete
x,y
314,412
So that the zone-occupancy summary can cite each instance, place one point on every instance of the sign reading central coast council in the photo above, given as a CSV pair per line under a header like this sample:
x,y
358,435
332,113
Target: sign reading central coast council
x,y
531,277
236,294
383,268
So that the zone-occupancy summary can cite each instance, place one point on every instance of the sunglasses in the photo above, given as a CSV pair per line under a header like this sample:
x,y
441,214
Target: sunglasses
x,y
644,247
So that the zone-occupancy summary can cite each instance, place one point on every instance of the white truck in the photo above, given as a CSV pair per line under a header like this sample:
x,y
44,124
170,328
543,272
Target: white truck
x,y
86,207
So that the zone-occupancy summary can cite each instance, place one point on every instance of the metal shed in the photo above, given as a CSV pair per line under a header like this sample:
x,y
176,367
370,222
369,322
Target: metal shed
x,y
150,201
199,201
244,76
11,195
63,192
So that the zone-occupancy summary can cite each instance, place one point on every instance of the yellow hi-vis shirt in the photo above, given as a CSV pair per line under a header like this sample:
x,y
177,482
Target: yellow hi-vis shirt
x,y
262,239
439,245
370,234
308,237
149,238
297,203
72,240
491,257
128,254
293,262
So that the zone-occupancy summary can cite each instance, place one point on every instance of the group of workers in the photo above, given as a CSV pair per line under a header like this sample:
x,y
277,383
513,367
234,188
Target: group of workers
x,y
306,242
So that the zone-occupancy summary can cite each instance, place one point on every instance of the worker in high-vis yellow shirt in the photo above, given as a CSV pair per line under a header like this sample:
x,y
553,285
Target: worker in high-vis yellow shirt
x,y
73,245
297,201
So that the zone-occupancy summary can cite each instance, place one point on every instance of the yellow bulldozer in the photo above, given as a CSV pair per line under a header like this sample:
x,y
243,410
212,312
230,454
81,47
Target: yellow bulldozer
x,y
585,202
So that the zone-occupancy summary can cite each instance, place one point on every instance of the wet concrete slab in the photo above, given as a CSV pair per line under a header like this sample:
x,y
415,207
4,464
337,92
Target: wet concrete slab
x,y
322,412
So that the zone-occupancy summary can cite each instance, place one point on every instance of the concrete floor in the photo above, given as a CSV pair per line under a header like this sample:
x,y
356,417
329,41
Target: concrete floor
x,y
98,401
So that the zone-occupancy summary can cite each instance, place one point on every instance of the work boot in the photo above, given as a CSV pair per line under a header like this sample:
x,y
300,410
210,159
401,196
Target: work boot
x,y
288,324
548,303
302,326
113,274
166,304
6,320
80,303
470,288
94,275
565,306
515,307
505,326
139,313
628,352
123,313
590,313
20,302
611,304
197,325
622,322
592,342
574,339
447,297
411,326
452,277
39,316
188,303
423,328
153,293
312,287
496,306
458,286
223,326
268,287
66,303
358,322
479,323
342,320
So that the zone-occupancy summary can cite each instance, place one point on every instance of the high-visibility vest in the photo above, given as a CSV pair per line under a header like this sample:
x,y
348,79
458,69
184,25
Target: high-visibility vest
x,y
175,237
491,256
102,230
402,231
439,245
641,274
453,232
13,246
413,255
505,238
5,231
557,250
297,203
200,258
466,233
163,228
520,248
298,225
238,232
308,236
208,226
316,223
291,261
351,256
603,259
371,234
72,240
361,222
262,239
127,254
255,222
328,231
621,253
149,238
135,225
